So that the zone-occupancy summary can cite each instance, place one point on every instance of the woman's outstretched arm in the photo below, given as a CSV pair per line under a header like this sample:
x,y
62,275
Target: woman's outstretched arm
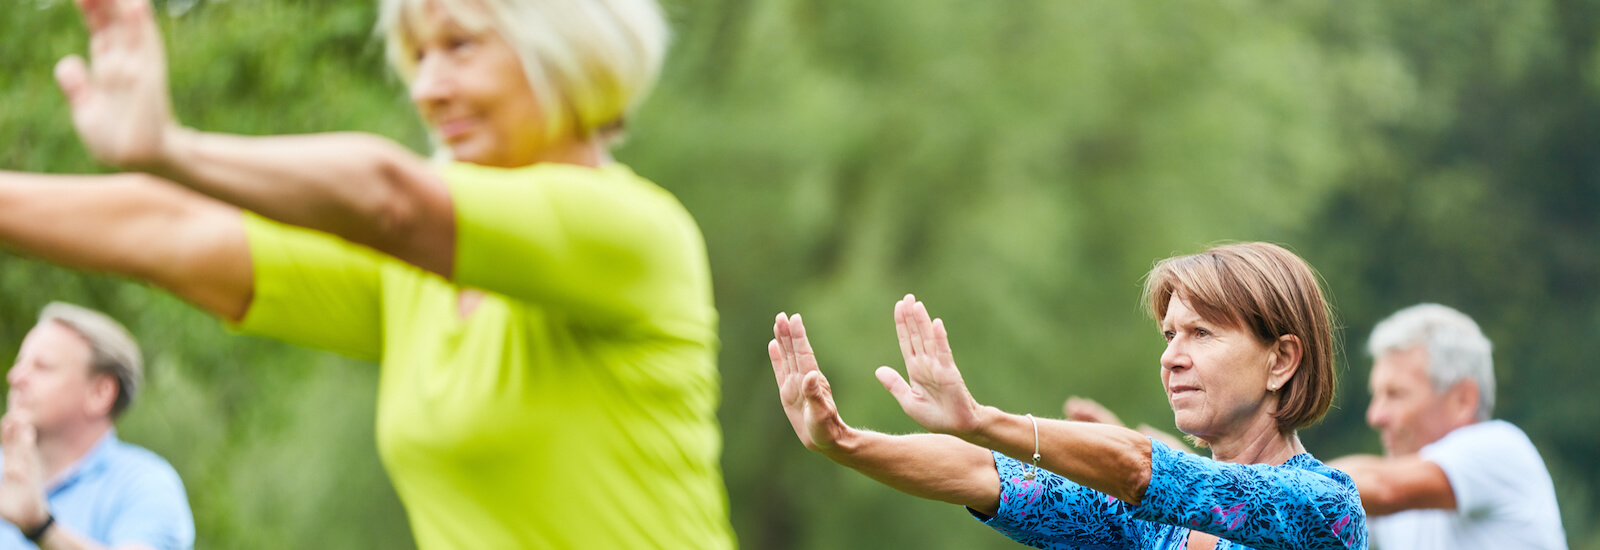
x,y
133,225
364,188
931,466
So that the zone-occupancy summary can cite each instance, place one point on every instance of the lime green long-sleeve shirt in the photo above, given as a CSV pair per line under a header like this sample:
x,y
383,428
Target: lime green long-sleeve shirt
x,y
575,407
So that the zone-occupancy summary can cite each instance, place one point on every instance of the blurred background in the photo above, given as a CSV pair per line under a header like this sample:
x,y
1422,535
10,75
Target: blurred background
x,y
1018,165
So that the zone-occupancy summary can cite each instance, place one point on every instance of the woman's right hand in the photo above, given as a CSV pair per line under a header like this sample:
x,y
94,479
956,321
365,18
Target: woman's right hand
x,y
807,397
119,102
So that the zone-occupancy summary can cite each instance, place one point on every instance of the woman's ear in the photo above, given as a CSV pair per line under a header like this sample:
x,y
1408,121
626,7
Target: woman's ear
x,y
1285,360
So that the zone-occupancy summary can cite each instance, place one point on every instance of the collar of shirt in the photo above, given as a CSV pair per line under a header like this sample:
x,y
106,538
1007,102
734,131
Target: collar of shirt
x,y
92,462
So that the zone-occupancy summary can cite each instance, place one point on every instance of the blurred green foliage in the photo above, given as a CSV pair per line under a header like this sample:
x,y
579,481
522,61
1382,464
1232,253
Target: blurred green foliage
x,y
1019,165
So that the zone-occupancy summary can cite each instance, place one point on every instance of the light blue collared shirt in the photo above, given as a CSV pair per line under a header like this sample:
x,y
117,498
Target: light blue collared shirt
x,y
118,494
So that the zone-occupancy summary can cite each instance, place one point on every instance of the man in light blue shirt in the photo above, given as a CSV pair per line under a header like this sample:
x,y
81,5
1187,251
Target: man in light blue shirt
x,y
66,481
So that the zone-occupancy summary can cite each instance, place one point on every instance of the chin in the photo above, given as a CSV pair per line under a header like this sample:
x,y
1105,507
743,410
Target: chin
x,y
1184,424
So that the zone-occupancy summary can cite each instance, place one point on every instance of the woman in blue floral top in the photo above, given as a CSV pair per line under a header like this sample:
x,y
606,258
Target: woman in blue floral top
x,y
1249,360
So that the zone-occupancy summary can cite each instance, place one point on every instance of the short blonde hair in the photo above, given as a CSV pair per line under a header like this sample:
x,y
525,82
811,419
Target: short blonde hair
x,y
1269,291
112,350
590,62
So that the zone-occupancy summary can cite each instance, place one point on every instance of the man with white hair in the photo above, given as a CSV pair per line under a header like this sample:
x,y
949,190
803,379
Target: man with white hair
x,y
68,482
1451,477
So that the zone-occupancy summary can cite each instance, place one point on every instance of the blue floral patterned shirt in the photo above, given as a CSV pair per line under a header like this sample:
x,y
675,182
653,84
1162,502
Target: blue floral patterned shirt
x,y
1302,504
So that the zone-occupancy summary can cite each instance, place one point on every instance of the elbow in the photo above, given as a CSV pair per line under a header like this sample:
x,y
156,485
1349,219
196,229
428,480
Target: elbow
x,y
1378,499
411,217
391,204
1136,462
394,213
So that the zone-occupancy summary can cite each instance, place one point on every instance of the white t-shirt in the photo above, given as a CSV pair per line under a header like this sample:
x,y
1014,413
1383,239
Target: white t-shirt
x,y
1504,498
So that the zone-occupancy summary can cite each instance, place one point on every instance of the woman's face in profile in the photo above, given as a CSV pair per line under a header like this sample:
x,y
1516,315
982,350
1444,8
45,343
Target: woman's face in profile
x,y
470,89
1215,374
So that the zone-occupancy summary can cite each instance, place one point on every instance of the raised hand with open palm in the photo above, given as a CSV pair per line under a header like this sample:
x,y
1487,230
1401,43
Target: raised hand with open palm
x,y
119,98
807,397
935,397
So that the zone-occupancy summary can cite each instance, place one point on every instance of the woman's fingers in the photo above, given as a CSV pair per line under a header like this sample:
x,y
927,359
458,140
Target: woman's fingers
x,y
97,13
780,369
941,344
914,313
805,359
823,425
819,395
780,358
896,385
72,75
900,329
790,350
924,324
785,340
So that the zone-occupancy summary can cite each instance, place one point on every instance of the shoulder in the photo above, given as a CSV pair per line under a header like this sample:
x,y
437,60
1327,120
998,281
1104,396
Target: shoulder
x,y
1316,469
142,470
614,176
612,196
1496,437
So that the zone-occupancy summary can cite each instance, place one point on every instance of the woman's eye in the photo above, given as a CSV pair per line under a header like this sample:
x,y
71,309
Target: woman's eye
x,y
1169,335
1202,332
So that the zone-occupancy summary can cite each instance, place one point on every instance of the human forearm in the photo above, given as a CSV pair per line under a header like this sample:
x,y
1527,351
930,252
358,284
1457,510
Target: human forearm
x,y
931,466
1110,459
132,225
62,537
1390,485
364,188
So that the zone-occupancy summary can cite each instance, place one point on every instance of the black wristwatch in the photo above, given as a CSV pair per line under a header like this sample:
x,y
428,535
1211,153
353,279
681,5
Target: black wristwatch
x,y
38,532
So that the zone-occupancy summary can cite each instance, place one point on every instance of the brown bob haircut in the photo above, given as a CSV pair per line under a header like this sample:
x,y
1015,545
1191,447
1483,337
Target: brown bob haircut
x,y
1269,291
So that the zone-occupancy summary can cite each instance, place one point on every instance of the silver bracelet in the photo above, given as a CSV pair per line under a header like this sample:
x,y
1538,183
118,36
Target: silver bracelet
x,y
1028,475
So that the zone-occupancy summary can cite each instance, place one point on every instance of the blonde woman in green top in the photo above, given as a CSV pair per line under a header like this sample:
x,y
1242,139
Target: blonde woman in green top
x,y
543,316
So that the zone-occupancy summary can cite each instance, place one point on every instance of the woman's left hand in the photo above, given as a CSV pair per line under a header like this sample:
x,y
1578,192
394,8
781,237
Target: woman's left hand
x,y
936,397
119,102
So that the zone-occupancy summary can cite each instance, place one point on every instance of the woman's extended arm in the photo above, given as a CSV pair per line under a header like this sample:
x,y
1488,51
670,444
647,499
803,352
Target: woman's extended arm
x,y
931,466
364,188
1110,459
133,225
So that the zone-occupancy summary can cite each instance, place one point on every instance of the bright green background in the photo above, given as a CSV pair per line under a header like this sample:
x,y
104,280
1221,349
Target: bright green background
x,y
1017,164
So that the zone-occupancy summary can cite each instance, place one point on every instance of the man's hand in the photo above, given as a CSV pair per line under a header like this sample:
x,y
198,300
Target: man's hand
x,y
119,99
22,500
1083,409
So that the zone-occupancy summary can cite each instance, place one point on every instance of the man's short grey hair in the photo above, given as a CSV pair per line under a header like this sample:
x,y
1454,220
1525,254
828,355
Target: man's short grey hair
x,y
1457,348
112,350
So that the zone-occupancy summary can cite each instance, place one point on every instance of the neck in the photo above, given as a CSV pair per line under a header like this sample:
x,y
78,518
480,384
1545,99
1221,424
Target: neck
x,y
1262,443
58,451
590,152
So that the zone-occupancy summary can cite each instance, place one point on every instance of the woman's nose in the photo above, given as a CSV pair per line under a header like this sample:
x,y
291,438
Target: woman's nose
x,y
431,83
1174,357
